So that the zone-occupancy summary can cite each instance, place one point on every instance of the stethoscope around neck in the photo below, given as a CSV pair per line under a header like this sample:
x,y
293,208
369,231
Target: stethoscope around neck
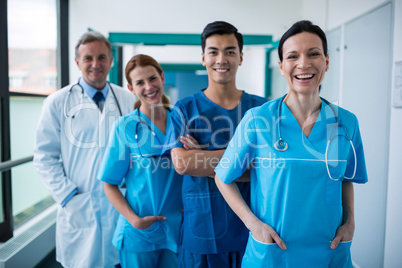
x,y
82,99
281,145
141,122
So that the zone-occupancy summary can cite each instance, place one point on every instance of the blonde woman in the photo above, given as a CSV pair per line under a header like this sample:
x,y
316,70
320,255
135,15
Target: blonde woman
x,y
147,233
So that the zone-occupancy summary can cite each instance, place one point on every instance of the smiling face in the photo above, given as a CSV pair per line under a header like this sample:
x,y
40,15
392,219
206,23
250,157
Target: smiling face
x,y
222,57
94,61
147,85
304,63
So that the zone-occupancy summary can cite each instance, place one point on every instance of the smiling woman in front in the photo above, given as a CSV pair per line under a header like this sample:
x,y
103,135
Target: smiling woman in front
x,y
304,154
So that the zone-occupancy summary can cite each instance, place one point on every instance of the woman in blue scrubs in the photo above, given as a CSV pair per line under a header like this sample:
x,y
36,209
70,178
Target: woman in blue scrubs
x,y
304,155
148,230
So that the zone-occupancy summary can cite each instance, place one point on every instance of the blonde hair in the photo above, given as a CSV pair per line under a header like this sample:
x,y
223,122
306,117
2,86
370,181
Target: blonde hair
x,y
142,60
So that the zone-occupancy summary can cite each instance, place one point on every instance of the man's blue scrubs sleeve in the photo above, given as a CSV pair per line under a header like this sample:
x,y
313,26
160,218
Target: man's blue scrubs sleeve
x,y
240,151
177,128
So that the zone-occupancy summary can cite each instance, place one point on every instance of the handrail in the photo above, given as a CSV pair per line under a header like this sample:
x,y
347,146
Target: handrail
x,y
7,165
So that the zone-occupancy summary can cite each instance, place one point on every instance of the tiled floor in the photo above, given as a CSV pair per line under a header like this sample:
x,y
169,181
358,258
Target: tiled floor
x,y
49,262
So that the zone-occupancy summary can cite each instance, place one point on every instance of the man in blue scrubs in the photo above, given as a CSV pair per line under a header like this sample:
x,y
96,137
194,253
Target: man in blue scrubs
x,y
212,235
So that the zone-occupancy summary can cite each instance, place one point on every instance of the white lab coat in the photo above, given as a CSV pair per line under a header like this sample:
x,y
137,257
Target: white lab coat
x,y
68,152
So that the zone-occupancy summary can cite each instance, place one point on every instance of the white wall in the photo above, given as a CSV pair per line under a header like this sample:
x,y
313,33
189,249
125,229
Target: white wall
x,y
182,16
332,13
393,235
268,17
316,11
341,11
250,76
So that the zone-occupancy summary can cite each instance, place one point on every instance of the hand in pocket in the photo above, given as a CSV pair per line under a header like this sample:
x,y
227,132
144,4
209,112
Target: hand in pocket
x,y
266,234
343,233
146,222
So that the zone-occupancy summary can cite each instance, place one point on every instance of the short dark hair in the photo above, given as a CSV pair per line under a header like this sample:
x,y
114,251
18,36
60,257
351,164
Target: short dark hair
x,y
220,27
92,37
300,27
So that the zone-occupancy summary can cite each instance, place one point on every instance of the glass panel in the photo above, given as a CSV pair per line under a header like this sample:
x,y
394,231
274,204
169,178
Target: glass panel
x,y
29,195
1,184
24,118
32,43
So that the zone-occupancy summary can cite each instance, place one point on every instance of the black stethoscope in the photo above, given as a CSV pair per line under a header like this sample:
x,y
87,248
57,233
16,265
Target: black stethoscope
x,y
140,122
82,99
281,145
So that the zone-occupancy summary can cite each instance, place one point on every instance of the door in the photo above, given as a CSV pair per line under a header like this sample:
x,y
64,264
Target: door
x,y
366,93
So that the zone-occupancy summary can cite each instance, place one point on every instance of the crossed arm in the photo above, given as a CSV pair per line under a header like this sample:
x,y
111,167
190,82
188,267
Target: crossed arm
x,y
191,160
198,163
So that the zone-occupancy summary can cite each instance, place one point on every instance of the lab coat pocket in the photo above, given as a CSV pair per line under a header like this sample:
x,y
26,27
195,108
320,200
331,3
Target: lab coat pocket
x,y
79,212
341,257
263,255
207,215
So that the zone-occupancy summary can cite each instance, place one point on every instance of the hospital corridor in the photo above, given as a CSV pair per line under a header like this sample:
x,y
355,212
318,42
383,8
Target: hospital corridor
x,y
124,125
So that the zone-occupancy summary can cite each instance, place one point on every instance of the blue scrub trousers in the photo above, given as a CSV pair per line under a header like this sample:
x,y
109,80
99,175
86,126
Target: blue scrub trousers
x,y
189,259
162,258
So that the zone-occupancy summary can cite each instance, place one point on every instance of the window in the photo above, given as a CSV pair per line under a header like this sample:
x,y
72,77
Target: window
x,y
32,63
32,70
17,79
1,205
32,43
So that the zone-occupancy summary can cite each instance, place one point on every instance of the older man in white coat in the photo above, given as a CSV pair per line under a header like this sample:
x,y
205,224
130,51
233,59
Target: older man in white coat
x,y
70,142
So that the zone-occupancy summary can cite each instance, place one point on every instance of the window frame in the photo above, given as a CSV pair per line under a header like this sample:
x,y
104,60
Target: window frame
x,y
62,11
6,227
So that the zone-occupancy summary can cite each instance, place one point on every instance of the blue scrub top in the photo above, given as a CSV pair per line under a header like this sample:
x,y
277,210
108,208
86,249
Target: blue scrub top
x,y
152,185
209,224
291,190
